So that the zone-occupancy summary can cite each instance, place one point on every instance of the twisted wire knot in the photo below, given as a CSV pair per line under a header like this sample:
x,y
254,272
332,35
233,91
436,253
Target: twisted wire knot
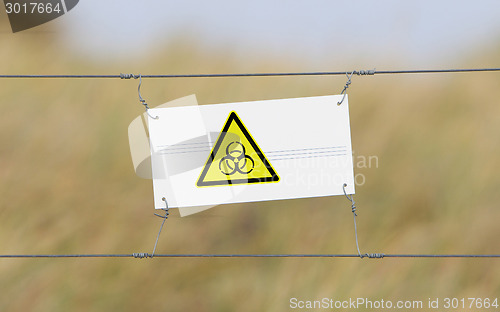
x,y
373,256
128,76
365,72
167,213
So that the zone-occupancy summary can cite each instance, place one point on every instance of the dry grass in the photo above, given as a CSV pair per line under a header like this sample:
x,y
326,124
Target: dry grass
x,y
67,186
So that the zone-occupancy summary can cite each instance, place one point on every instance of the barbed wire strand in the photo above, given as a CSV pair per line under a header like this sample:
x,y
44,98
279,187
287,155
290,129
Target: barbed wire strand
x,y
275,74
135,255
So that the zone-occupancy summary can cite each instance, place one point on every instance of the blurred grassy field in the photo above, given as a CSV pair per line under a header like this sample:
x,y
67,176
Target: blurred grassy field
x,y
67,186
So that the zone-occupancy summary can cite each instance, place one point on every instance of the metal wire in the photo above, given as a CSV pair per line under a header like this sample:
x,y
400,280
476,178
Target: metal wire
x,y
165,217
353,210
347,84
324,73
141,99
136,255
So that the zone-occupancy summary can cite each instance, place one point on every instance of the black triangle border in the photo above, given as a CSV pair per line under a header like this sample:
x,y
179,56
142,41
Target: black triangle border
x,y
233,117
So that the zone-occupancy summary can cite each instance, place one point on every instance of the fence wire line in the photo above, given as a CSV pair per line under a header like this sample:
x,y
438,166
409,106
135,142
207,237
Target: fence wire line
x,y
275,74
143,255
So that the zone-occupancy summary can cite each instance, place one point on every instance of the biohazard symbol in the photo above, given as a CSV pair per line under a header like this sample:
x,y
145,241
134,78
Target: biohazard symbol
x,y
236,158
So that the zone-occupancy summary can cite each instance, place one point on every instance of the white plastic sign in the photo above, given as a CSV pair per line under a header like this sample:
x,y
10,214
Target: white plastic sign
x,y
250,151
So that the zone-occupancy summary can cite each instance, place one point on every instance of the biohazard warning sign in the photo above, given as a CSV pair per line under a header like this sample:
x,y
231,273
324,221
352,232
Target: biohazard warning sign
x,y
236,158
207,155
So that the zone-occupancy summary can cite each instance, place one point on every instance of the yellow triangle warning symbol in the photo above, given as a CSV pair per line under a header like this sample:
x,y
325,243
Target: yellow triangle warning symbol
x,y
236,159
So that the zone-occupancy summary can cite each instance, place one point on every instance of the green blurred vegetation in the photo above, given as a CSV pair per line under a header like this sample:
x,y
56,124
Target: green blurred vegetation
x,y
67,186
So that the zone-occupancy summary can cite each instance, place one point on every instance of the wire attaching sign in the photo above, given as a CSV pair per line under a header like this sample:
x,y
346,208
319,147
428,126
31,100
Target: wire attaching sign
x,y
250,151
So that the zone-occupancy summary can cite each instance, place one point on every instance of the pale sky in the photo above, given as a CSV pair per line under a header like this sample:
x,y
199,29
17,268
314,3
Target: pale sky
x,y
417,33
